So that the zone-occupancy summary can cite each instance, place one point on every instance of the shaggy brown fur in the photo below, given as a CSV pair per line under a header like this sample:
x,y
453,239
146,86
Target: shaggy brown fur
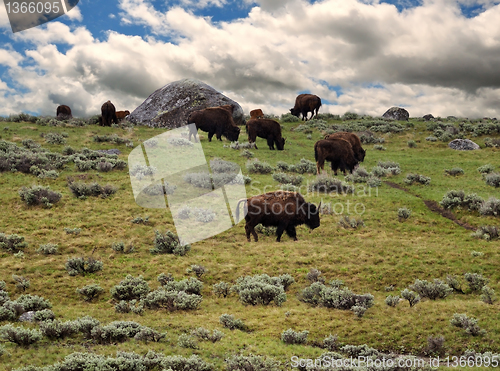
x,y
267,129
120,115
214,120
281,209
305,103
63,112
359,152
338,151
108,114
256,114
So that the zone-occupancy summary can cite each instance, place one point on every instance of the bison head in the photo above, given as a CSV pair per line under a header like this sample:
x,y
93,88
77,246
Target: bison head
x,y
361,155
281,144
233,133
313,215
295,111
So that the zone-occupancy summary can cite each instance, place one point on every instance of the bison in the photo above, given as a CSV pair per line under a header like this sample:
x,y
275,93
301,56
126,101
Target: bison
x,y
281,209
63,112
108,114
338,151
214,120
120,115
305,103
359,152
267,129
256,114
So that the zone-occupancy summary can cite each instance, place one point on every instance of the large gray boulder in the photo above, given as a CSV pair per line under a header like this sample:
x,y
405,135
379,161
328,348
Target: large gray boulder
x,y
463,145
170,106
396,113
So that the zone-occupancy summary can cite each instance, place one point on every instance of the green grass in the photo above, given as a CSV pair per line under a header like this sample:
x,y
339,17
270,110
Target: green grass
x,y
385,252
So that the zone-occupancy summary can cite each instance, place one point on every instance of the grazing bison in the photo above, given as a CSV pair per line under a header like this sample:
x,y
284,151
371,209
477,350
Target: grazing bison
x,y
267,129
338,151
63,112
256,114
120,115
214,120
281,209
305,103
359,152
108,114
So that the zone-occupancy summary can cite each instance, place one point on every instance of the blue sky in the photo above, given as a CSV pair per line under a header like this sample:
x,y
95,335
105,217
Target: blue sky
x,y
430,56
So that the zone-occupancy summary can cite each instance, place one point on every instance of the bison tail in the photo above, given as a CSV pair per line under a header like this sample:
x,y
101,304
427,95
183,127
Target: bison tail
x,y
237,212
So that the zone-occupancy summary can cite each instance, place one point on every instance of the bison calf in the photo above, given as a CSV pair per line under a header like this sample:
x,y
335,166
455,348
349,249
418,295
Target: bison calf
x,y
267,129
120,115
338,151
214,120
305,103
256,114
359,152
281,209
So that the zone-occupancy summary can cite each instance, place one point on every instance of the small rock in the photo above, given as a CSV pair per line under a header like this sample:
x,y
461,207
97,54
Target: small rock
x,y
27,316
463,145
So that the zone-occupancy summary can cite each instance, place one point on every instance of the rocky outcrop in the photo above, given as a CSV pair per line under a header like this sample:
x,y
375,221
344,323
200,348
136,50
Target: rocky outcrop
x,y
463,145
428,117
396,113
170,106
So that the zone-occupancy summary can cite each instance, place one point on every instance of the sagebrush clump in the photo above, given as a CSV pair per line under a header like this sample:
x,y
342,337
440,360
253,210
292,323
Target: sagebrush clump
x,y
39,195
432,290
83,265
469,324
294,337
228,321
90,292
12,243
130,288
169,243
262,289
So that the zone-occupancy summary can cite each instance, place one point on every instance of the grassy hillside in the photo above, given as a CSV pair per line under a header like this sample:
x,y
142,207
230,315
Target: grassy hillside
x,y
385,252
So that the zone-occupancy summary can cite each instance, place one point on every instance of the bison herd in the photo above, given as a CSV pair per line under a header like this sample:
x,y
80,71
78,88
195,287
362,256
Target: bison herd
x,y
282,209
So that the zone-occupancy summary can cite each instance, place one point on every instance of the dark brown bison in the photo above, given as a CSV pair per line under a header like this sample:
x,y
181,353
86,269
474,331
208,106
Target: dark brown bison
x,y
63,112
305,103
359,152
214,120
281,209
120,115
256,114
338,151
108,114
267,129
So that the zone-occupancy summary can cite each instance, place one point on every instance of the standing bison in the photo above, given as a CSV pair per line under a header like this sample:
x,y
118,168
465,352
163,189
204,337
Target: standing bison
x,y
305,103
108,114
281,209
338,151
267,129
214,120
63,112
359,152
120,115
256,114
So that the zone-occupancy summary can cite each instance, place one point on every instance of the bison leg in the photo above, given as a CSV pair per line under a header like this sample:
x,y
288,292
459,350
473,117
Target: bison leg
x,y
210,136
270,143
279,231
249,228
290,230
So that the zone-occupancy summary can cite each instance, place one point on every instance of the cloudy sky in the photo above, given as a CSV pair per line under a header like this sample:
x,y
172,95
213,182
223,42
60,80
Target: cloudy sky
x,y
365,56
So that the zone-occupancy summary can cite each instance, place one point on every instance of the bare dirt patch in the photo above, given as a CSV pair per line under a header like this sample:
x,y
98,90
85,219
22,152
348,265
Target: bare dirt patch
x,y
434,207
